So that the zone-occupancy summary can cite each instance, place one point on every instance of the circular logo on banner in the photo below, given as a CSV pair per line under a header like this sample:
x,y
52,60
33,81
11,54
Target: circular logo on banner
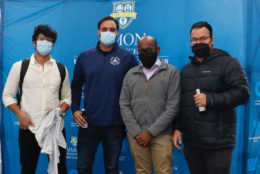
x,y
123,20
115,60
119,8
128,8
257,89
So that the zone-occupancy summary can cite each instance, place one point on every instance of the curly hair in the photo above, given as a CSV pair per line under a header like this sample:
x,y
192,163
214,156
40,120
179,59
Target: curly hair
x,y
46,30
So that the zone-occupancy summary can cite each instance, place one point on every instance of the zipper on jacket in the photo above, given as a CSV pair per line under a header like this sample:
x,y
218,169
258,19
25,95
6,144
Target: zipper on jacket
x,y
197,77
145,90
146,86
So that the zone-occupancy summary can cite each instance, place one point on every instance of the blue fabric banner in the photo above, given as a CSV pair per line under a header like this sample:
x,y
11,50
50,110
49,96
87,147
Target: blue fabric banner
x,y
252,125
169,22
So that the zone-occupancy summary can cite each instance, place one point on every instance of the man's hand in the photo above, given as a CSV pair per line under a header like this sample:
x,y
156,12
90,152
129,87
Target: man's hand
x,y
78,118
200,99
63,108
144,139
177,139
24,121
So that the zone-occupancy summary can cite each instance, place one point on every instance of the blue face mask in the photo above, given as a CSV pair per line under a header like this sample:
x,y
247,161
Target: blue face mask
x,y
107,38
44,47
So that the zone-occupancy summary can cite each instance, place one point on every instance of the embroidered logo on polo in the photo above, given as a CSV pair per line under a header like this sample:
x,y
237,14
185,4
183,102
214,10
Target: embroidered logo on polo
x,y
115,60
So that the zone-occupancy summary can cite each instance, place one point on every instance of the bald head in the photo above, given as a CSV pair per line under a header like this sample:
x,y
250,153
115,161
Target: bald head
x,y
147,40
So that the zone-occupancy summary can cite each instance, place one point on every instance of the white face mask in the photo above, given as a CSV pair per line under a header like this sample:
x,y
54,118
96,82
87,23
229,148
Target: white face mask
x,y
107,38
44,47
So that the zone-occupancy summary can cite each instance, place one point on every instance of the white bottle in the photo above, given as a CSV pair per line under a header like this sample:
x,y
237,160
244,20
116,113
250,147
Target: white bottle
x,y
201,108
83,113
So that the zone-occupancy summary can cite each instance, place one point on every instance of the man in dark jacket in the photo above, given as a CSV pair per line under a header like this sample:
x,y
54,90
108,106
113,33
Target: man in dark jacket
x,y
212,85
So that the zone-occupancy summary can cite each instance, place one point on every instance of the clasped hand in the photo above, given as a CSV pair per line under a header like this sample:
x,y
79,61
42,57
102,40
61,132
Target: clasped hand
x,y
144,139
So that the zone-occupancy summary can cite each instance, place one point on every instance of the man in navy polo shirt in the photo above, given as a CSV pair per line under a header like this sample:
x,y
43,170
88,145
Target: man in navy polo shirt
x,y
101,69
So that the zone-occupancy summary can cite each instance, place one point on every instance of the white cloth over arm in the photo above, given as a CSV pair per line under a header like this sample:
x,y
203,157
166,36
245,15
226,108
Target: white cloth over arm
x,y
49,137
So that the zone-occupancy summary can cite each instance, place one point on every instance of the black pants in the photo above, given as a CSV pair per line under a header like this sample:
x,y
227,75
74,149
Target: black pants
x,y
30,151
204,161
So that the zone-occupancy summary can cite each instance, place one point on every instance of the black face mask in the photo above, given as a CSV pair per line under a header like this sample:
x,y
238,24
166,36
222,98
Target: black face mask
x,y
200,50
147,58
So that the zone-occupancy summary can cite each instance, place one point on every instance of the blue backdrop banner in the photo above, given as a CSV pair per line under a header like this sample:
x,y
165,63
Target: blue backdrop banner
x,y
252,125
235,29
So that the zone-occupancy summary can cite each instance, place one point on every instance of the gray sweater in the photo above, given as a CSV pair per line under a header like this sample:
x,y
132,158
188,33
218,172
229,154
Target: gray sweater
x,y
150,105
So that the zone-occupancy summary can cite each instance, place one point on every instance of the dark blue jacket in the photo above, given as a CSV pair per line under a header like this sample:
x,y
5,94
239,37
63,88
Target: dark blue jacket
x,y
102,75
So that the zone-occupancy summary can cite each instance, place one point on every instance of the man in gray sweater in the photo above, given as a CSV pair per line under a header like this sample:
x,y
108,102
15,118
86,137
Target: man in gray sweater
x,y
149,103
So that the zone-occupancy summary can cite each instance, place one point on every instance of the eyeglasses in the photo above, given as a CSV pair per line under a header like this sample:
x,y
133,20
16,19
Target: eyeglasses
x,y
201,39
45,38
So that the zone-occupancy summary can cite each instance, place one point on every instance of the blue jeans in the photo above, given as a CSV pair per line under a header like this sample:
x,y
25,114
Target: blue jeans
x,y
88,141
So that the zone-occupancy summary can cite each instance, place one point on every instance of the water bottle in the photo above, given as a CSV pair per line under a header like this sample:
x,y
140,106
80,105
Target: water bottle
x,y
201,108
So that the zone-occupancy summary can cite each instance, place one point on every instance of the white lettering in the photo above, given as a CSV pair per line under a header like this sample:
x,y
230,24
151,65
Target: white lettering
x,y
133,50
71,149
137,38
119,40
129,39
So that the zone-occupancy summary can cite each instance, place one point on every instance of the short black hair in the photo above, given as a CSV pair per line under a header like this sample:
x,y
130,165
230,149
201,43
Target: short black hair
x,y
107,18
46,30
201,24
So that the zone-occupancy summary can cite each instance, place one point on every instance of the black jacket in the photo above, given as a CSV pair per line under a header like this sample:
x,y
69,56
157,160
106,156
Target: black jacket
x,y
225,84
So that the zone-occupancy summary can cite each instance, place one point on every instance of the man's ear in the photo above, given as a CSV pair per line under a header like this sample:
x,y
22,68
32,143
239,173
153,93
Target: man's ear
x,y
98,33
116,33
158,50
212,42
34,44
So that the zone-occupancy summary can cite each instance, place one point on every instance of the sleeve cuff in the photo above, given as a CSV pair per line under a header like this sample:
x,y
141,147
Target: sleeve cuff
x,y
153,133
9,102
68,101
135,133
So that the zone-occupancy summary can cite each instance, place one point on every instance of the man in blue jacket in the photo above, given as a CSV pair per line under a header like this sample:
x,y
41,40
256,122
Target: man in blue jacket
x,y
101,69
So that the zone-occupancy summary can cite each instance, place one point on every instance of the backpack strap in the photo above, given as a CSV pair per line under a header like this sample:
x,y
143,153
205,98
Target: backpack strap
x,y
62,71
24,67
